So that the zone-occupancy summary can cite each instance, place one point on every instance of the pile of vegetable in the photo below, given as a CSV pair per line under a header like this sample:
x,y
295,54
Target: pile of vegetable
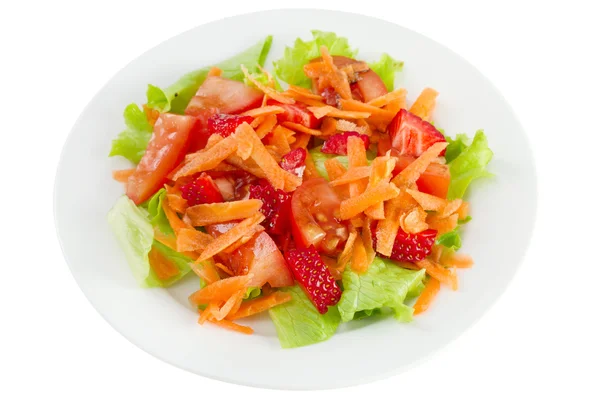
x,y
326,202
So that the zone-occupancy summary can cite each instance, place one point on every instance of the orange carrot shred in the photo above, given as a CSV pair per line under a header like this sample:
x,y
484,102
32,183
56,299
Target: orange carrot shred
x,y
206,271
301,142
425,103
432,287
279,139
428,201
348,250
435,270
357,157
323,111
224,268
233,326
122,175
229,304
360,262
387,228
329,126
442,225
337,78
301,128
177,203
260,304
215,213
220,290
413,171
263,111
381,171
266,126
208,158
396,105
208,312
456,260
189,239
367,238
161,265
388,98
311,170
215,71
269,91
231,236
352,175
335,169
174,220
354,205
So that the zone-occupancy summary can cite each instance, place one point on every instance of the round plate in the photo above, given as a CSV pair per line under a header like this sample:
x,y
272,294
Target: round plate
x,y
161,321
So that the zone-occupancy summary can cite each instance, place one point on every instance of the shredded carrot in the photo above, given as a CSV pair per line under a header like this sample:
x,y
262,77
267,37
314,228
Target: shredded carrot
x,y
365,127
177,203
353,206
463,210
334,168
435,270
376,114
413,221
301,142
456,260
231,236
357,157
224,268
388,98
328,126
432,287
425,103
266,126
352,175
161,265
229,304
122,175
246,165
323,111
396,105
208,158
260,304
360,260
381,171
215,71
387,228
263,111
215,213
347,126
174,220
233,326
428,201
413,171
442,225
337,78
151,114
269,91
189,239
357,221
244,239
206,271
367,238
220,290
279,139
346,254
301,128
451,208
208,312
304,92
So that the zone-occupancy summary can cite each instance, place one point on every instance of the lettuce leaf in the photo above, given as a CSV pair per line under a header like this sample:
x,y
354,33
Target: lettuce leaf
x,y
252,292
384,285
450,240
176,97
290,68
156,213
132,142
456,146
386,68
133,229
469,164
298,323
319,159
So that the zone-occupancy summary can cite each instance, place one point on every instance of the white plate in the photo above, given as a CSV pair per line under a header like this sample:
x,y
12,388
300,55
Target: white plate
x,y
162,322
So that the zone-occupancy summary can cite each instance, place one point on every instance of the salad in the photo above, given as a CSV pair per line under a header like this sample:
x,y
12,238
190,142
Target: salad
x,y
315,193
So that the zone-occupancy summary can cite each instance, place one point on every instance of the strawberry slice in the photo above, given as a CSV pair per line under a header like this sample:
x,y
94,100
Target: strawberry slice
x,y
338,144
297,113
313,275
294,162
201,190
410,247
226,124
276,207
411,135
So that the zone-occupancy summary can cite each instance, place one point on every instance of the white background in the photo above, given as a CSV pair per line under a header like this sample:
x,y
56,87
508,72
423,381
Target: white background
x,y
541,339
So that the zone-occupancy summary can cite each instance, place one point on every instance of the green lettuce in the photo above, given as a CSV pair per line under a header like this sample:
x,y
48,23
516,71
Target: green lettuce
x,y
290,68
386,68
156,214
384,285
132,142
456,146
469,164
450,240
252,292
298,323
134,231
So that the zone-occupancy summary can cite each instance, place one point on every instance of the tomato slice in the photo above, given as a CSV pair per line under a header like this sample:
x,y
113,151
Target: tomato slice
x,y
260,257
315,217
225,95
165,151
435,180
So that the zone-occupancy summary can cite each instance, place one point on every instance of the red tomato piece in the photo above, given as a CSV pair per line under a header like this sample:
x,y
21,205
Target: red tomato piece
x,y
165,151
225,95
296,113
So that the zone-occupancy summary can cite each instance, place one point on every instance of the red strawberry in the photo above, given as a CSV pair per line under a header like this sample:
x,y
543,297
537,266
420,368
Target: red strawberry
x,y
276,206
201,190
410,247
225,124
294,162
313,275
338,144
297,113
411,135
